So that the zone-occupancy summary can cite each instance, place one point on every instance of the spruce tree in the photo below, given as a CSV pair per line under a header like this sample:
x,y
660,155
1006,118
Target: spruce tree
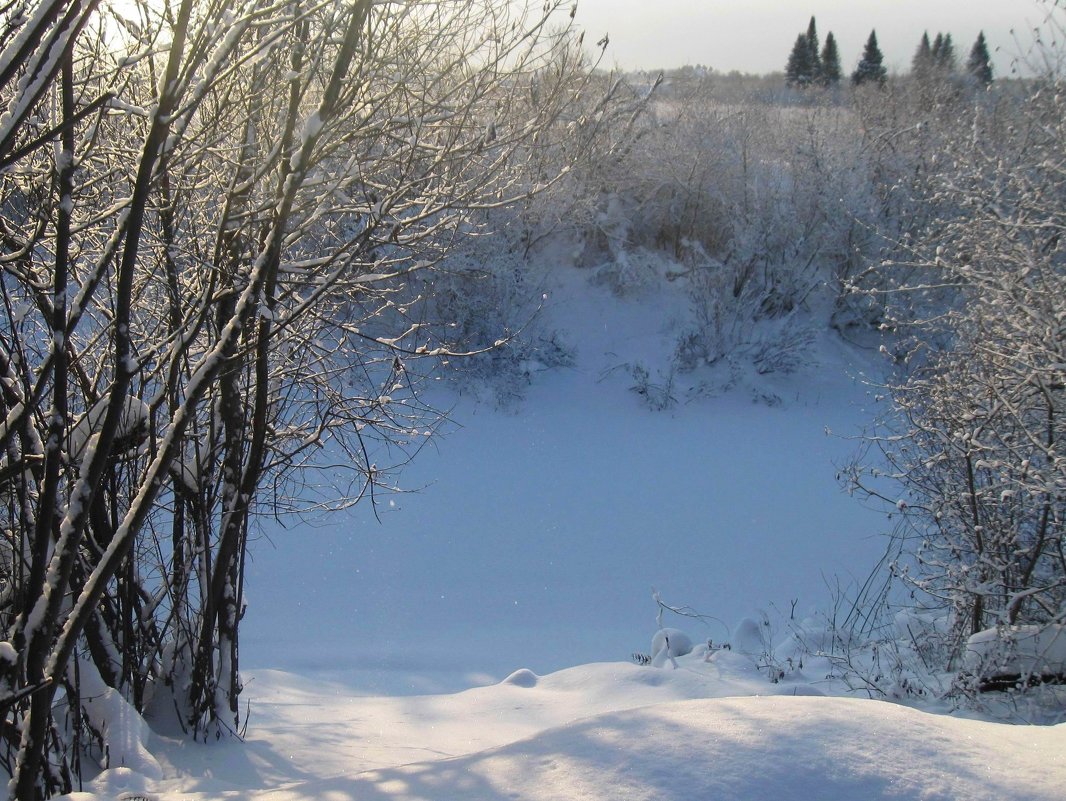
x,y
979,65
871,66
798,71
812,48
945,54
922,63
937,44
831,72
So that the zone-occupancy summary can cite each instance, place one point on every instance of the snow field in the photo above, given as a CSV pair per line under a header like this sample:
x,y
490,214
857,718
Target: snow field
x,y
535,535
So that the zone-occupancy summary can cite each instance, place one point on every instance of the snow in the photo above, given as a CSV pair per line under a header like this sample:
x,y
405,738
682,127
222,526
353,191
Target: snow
x,y
134,416
749,637
711,729
39,61
1020,650
475,644
533,536
312,127
123,732
677,642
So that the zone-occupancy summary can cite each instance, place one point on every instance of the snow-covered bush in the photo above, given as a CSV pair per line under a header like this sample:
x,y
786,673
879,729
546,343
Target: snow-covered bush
x,y
768,209
971,450
484,301
670,642
765,208
591,153
657,391
1017,656
743,329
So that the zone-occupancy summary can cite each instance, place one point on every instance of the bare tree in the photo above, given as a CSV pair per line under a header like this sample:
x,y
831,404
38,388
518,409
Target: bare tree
x,y
208,213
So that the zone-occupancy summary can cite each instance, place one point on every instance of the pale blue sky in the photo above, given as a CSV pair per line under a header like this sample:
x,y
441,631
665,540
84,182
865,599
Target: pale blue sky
x,y
756,35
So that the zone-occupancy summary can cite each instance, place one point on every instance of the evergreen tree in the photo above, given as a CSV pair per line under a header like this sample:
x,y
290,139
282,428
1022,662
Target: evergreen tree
x,y
979,65
935,50
812,48
871,66
831,71
944,56
922,63
799,70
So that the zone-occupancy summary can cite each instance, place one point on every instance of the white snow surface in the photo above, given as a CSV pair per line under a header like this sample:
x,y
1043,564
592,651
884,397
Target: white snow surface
x,y
475,643
1018,649
707,730
123,732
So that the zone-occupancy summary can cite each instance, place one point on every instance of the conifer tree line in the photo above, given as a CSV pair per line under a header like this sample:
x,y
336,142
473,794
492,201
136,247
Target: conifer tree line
x,y
936,59
809,66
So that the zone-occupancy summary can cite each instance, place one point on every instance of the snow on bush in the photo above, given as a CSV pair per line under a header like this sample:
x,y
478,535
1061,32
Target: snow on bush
x,y
976,338
1022,652
491,299
749,636
119,729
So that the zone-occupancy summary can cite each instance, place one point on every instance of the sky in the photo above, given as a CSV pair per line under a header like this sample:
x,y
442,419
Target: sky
x,y
756,35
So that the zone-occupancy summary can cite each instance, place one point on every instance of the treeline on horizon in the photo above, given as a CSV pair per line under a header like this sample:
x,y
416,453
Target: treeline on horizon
x,y
811,64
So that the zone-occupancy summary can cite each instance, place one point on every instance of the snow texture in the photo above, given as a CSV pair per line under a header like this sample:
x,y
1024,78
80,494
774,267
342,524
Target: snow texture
x,y
123,732
548,525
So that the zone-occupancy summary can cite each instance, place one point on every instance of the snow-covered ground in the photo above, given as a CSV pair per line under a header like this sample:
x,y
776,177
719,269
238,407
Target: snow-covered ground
x,y
475,643
706,730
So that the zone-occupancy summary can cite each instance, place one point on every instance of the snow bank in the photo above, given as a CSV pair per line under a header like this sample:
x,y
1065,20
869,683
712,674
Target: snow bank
x,y
786,749
714,728
123,732
613,731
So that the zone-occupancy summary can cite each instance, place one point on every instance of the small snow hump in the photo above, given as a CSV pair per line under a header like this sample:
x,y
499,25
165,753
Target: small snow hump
x,y
749,637
523,677
679,642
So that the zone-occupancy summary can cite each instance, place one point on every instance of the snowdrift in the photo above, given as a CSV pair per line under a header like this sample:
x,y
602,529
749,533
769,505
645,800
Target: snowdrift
x,y
601,731
782,748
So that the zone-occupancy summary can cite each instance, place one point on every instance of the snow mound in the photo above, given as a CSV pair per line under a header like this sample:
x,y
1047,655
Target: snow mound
x,y
714,728
122,784
523,677
678,642
122,731
742,749
748,637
